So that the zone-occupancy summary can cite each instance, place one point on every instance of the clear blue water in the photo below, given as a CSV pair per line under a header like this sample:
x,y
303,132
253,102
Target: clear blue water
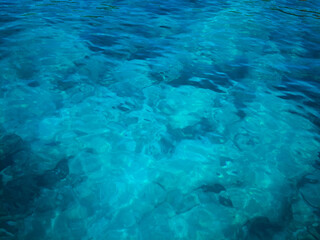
x,y
178,119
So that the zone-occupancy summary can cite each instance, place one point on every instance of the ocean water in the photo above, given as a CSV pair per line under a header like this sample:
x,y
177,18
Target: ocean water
x,y
159,120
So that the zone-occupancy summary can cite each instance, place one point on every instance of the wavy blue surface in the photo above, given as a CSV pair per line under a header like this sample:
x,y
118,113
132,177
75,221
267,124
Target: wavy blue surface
x,y
178,119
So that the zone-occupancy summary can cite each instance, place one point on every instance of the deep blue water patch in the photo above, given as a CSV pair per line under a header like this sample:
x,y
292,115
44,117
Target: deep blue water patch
x,y
178,119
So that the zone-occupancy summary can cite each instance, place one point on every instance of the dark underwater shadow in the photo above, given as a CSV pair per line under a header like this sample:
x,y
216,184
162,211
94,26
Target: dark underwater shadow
x,y
20,192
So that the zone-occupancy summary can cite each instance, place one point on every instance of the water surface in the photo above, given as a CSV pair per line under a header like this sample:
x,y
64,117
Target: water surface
x,y
178,119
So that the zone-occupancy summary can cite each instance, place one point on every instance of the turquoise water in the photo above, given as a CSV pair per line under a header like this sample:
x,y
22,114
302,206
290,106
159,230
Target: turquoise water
x,y
178,119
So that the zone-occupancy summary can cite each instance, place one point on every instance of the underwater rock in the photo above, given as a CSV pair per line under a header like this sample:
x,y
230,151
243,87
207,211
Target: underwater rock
x,y
316,164
307,179
193,131
181,203
285,212
188,203
224,161
314,230
50,177
259,228
225,202
309,233
34,84
237,69
244,140
8,229
100,40
308,187
242,98
167,145
76,180
215,188
241,114
65,85
9,145
18,194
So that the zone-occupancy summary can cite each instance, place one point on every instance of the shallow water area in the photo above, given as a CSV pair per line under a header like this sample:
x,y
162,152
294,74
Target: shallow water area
x,y
183,119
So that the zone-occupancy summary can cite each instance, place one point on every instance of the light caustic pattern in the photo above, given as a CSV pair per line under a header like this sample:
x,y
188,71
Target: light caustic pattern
x,y
178,119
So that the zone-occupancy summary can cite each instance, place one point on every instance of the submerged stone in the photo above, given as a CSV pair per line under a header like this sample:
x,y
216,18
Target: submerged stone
x,y
224,161
18,194
65,85
225,202
215,188
245,141
308,187
8,229
307,179
259,228
316,164
34,84
51,177
241,114
9,145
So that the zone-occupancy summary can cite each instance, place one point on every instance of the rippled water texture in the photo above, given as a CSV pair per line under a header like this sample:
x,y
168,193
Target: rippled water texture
x,y
160,120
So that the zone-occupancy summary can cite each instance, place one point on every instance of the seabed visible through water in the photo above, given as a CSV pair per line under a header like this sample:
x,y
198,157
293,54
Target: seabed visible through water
x,y
159,120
